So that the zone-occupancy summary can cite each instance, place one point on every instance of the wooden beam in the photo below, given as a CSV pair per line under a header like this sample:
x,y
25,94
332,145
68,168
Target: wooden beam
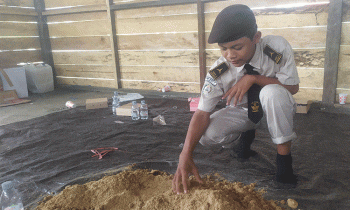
x,y
80,9
114,43
332,51
156,4
201,42
96,8
46,52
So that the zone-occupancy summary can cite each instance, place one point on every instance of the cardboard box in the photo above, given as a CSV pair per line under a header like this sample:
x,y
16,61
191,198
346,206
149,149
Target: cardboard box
x,y
303,107
15,79
8,98
96,103
125,110
193,104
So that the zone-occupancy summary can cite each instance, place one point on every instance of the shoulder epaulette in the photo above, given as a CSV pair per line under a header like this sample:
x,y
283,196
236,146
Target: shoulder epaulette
x,y
219,70
275,56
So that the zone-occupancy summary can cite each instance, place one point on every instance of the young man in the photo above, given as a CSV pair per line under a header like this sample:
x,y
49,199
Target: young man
x,y
256,76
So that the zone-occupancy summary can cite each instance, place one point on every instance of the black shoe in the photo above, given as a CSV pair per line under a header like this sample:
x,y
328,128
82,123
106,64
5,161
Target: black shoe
x,y
245,141
284,170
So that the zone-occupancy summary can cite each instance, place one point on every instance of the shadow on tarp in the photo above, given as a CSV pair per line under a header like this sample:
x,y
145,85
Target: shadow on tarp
x,y
48,153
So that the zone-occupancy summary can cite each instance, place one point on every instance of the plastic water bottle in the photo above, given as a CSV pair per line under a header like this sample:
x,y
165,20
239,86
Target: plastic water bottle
x,y
135,113
10,198
115,103
143,110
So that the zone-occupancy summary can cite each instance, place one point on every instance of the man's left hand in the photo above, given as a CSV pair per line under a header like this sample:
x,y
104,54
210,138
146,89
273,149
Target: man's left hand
x,y
239,89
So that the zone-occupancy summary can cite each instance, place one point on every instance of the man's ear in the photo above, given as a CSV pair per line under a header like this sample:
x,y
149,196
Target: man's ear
x,y
257,37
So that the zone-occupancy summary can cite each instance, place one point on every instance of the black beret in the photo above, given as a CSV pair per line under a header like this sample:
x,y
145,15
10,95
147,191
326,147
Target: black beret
x,y
232,23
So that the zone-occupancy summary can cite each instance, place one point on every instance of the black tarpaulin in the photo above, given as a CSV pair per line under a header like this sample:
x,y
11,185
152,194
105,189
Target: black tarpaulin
x,y
47,153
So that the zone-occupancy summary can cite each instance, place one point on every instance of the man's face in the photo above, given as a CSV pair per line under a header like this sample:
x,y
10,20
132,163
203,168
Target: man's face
x,y
240,51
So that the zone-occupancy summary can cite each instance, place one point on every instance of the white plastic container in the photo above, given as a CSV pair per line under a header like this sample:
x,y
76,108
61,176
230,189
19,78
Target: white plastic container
x,y
15,79
39,78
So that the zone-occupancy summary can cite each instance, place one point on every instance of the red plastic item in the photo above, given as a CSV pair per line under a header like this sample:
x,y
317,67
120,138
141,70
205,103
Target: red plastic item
x,y
104,151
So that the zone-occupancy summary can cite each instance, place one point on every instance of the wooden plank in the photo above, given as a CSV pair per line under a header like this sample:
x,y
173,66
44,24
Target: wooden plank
x,y
311,77
88,57
18,3
158,41
18,18
88,71
14,43
81,43
18,29
175,87
17,11
11,59
114,43
86,82
345,31
78,9
220,5
343,78
311,58
306,94
168,58
148,4
161,73
77,17
201,42
332,51
180,23
84,28
344,57
297,37
301,37
67,3
128,2
315,18
157,11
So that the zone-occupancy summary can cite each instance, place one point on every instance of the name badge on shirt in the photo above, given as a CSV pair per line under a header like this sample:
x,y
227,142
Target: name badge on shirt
x,y
271,53
207,89
211,80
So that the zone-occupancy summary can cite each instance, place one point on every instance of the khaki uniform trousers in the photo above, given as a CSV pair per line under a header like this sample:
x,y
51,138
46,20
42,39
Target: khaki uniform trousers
x,y
227,124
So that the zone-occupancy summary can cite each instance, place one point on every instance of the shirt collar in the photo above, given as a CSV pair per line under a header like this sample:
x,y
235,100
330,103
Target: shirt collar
x,y
255,61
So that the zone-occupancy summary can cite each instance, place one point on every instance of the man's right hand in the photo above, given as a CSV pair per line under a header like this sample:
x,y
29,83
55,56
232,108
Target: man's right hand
x,y
184,169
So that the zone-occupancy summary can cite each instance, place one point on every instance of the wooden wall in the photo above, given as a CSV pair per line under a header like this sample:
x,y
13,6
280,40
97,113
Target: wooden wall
x,y
158,45
19,39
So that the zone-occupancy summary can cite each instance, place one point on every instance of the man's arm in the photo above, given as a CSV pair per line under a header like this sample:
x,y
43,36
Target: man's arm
x,y
199,123
263,80
242,86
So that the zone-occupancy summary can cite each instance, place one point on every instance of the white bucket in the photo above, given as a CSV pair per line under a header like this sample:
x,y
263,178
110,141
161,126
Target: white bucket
x,y
39,78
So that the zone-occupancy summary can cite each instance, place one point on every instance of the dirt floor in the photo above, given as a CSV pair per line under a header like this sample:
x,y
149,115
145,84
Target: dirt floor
x,y
47,152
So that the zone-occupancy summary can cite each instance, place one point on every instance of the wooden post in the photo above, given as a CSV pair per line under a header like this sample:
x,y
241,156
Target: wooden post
x,y
201,42
45,44
332,51
114,43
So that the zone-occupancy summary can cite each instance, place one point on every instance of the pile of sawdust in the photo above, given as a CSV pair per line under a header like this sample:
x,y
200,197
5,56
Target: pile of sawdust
x,y
144,189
